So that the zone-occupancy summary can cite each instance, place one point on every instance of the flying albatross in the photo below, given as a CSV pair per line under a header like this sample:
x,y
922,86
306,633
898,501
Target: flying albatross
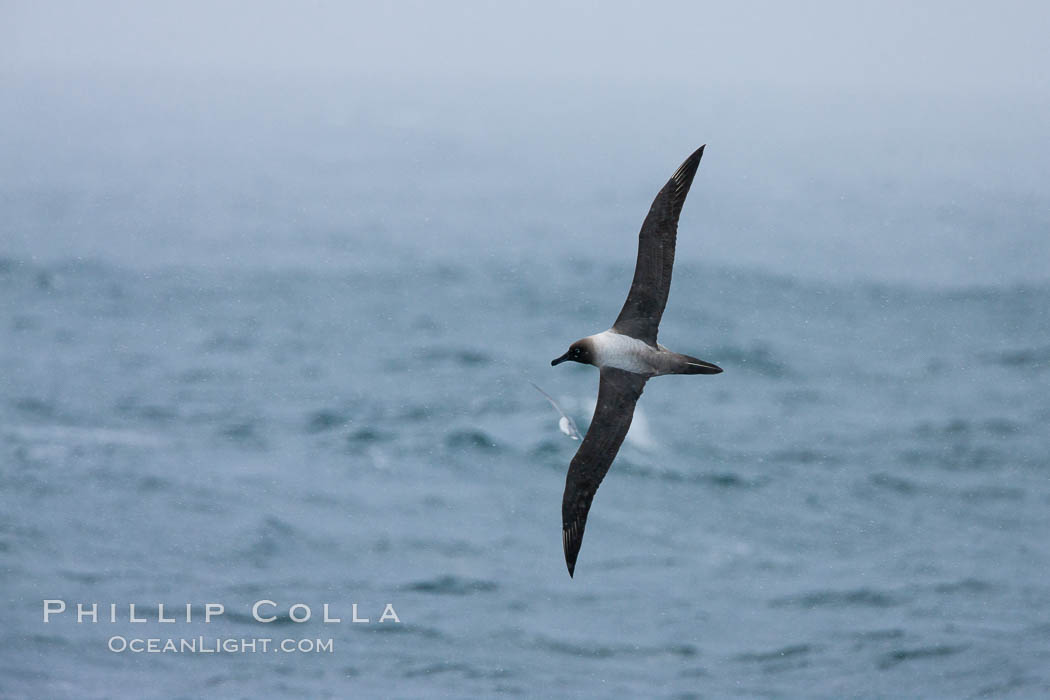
x,y
627,355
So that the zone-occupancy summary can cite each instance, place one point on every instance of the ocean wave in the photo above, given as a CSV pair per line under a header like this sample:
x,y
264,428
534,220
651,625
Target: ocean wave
x,y
70,435
470,438
856,598
36,407
957,427
325,419
606,651
969,586
960,456
793,651
721,479
900,656
265,543
892,482
452,585
247,432
461,356
471,671
1037,358
368,435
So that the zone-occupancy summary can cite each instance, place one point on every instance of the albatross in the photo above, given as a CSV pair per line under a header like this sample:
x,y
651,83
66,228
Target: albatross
x,y
627,355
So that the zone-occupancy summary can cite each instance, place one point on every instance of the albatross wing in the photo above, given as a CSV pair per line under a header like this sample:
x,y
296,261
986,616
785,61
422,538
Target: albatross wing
x,y
641,313
618,391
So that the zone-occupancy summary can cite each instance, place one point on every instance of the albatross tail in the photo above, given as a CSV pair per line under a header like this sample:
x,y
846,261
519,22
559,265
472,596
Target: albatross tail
x,y
684,364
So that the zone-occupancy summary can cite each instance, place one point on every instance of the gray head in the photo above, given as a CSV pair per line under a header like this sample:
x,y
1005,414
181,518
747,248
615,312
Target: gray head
x,y
581,351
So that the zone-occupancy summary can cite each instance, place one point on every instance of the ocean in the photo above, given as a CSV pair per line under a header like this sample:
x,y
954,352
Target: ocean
x,y
222,384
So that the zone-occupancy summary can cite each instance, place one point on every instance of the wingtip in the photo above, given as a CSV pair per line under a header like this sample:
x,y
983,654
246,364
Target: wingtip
x,y
571,546
683,177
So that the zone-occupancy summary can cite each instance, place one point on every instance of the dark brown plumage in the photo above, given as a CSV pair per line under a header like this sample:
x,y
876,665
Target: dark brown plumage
x,y
641,313
619,389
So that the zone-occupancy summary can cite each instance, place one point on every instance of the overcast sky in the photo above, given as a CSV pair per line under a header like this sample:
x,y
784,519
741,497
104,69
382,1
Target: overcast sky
x,y
885,45
903,140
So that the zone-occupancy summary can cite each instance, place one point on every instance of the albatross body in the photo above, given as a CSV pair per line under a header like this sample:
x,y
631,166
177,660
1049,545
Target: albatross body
x,y
628,355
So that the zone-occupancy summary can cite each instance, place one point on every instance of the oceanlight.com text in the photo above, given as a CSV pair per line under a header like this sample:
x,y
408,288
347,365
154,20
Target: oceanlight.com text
x,y
218,645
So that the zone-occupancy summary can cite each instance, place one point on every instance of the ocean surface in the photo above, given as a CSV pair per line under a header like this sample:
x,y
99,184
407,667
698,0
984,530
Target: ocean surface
x,y
860,504
285,356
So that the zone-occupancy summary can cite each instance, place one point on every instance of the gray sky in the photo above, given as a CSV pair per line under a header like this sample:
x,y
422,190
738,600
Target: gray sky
x,y
889,140
959,46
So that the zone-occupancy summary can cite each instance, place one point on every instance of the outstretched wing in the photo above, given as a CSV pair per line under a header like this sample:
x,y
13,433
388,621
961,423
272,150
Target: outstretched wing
x,y
640,315
618,391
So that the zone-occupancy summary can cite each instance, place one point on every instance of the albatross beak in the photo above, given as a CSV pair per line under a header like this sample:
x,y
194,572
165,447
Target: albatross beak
x,y
559,360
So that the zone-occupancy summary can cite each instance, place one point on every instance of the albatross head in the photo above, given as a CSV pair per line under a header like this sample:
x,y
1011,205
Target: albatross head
x,y
581,351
